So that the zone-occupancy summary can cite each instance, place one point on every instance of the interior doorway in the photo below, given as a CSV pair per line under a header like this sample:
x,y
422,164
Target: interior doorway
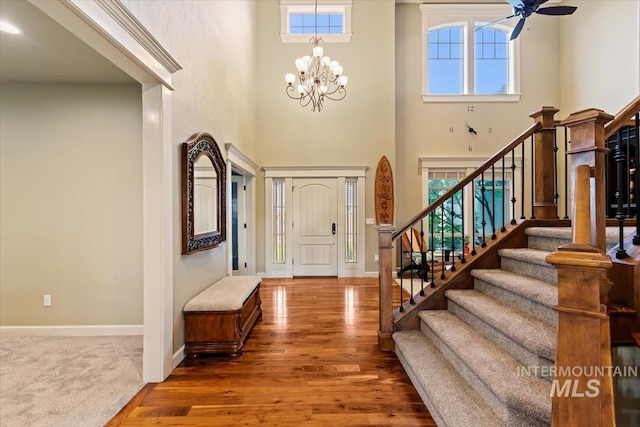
x,y
238,223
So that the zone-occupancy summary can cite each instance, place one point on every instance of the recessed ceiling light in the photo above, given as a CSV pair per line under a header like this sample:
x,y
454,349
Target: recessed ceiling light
x,y
7,27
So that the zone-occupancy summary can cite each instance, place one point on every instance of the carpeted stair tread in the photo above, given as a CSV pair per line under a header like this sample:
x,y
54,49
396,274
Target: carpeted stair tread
x,y
539,291
548,238
532,296
495,369
533,256
528,262
534,335
447,395
566,234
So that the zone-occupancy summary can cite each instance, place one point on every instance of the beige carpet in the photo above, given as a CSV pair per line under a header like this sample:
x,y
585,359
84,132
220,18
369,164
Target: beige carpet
x,y
67,381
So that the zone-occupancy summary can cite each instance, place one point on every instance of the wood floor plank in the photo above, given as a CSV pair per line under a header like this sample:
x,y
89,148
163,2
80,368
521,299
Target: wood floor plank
x,y
312,359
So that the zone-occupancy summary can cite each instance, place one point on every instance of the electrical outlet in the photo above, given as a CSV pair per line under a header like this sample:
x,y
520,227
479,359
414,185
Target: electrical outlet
x,y
47,300
375,258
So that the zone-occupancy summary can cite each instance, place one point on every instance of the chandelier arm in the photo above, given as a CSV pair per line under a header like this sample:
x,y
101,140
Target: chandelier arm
x,y
342,92
290,89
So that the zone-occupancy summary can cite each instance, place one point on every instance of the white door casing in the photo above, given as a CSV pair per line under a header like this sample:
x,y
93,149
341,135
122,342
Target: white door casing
x,y
286,175
315,220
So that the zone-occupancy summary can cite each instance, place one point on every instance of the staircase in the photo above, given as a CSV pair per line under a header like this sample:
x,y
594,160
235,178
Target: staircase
x,y
469,362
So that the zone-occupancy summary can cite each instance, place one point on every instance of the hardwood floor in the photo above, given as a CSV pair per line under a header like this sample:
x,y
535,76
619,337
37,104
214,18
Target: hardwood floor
x,y
312,359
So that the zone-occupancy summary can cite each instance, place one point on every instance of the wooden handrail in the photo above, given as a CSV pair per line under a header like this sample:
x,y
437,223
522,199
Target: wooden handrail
x,y
486,165
622,117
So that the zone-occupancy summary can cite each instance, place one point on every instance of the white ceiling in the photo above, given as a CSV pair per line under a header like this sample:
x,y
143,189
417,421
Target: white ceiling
x,y
46,52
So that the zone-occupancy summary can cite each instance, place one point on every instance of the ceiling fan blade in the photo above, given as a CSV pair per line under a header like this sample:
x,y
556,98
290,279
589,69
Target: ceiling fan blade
x,y
515,3
557,10
481,27
516,31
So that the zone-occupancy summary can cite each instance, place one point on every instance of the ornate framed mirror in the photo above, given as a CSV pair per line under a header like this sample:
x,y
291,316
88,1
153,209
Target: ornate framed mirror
x,y
204,183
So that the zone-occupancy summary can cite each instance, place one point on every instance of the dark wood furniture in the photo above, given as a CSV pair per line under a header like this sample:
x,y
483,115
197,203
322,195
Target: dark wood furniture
x,y
220,318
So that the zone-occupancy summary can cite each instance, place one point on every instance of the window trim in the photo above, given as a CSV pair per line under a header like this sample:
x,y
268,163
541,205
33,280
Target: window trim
x,y
306,6
439,15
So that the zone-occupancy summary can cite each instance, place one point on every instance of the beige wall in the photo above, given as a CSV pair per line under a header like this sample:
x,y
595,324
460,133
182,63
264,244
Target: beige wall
x,y
71,204
358,130
422,129
599,56
214,41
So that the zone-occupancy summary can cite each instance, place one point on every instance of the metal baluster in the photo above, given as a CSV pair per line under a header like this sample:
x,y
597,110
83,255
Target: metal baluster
x,y
627,185
424,273
453,239
463,259
636,238
513,187
620,162
556,196
431,244
504,204
411,262
400,255
493,202
522,183
473,215
533,180
484,204
442,249
566,173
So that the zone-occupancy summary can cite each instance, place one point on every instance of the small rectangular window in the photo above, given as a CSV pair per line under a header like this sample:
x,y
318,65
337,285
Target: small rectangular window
x,y
305,23
279,233
351,220
300,19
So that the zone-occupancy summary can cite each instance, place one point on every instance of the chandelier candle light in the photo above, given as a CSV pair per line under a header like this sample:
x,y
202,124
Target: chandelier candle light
x,y
319,77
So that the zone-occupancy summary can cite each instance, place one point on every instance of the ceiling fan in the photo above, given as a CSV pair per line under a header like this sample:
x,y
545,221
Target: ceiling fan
x,y
524,8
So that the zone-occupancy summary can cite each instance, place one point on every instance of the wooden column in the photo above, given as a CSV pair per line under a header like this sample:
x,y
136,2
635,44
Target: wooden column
x,y
544,205
581,395
385,255
588,148
582,389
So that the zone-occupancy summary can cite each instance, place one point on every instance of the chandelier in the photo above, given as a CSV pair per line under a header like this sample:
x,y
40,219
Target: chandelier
x,y
319,77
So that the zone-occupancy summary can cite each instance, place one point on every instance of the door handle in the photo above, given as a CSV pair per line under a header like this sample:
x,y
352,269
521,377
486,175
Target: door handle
x,y
333,228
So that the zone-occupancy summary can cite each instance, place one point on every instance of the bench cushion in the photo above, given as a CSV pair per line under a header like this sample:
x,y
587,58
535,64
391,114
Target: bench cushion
x,y
229,293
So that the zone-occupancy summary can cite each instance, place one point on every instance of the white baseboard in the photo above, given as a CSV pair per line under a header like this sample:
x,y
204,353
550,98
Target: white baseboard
x,y
178,357
366,274
77,331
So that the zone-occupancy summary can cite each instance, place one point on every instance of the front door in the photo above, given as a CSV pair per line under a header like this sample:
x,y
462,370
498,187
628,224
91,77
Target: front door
x,y
315,217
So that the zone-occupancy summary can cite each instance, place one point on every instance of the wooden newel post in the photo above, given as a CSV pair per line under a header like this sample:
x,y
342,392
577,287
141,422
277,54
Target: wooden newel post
x,y
544,205
588,148
385,246
582,388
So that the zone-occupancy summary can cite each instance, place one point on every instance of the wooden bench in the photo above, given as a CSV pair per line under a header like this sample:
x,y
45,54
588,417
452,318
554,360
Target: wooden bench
x,y
218,319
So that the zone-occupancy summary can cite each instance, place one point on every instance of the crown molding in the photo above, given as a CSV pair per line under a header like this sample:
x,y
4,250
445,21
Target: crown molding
x,y
113,31
134,27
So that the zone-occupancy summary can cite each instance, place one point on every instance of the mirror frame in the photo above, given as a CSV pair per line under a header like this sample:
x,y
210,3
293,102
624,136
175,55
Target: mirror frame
x,y
202,144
